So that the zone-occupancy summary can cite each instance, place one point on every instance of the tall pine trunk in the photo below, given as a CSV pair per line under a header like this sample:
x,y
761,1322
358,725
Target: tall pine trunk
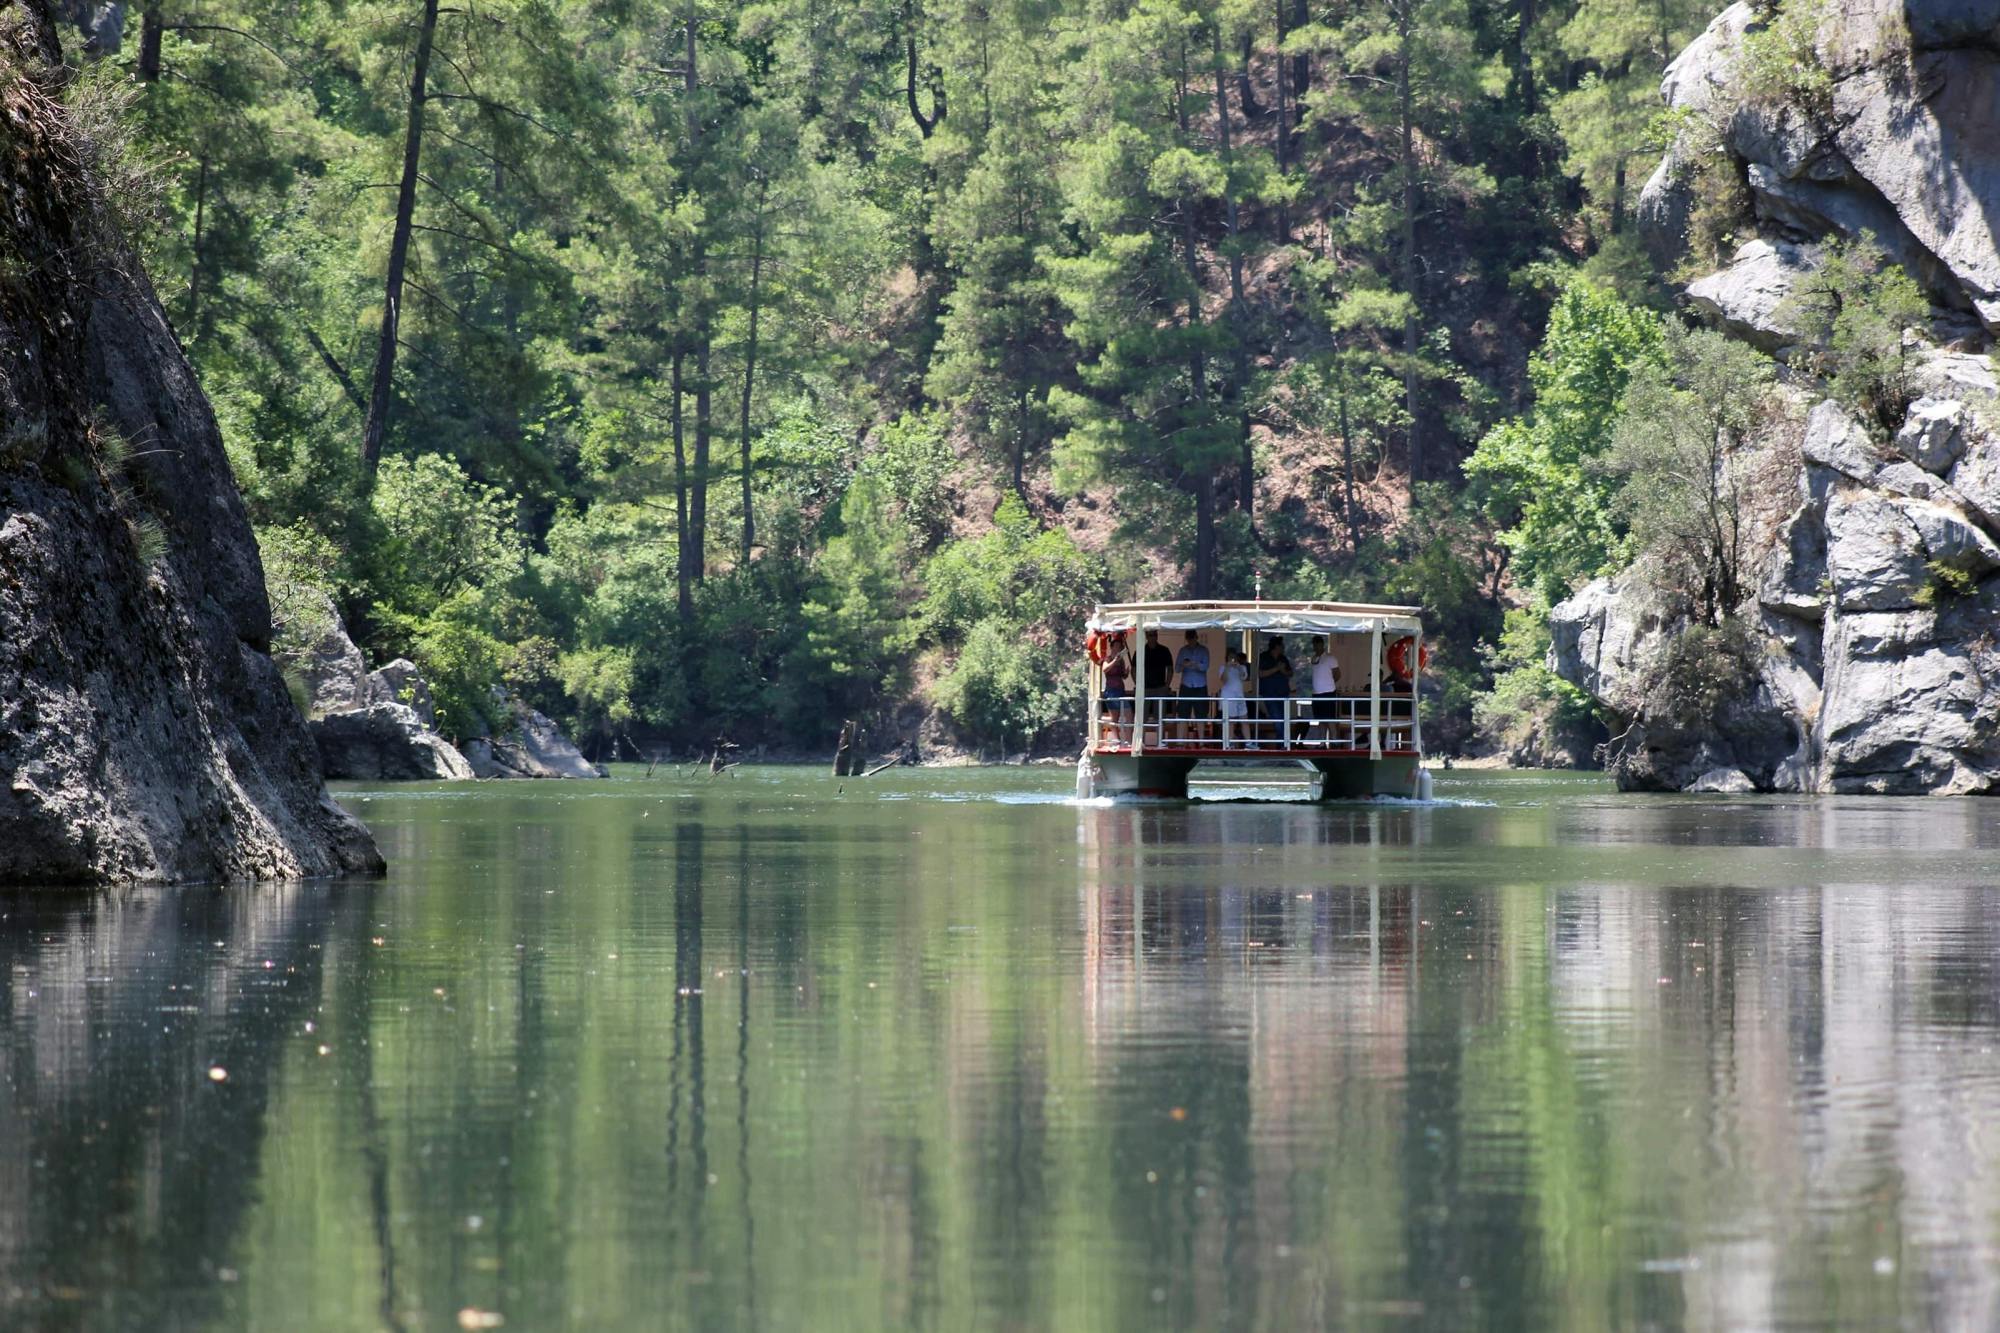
x,y
1198,482
697,530
1246,92
1301,63
698,488
382,386
1411,335
683,576
151,29
1246,469
1347,470
1283,145
750,364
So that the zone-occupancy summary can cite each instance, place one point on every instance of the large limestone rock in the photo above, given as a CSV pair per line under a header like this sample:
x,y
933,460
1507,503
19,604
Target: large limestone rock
x,y
529,746
386,742
400,682
145,732
1909,703
333,670
1749,297
1597,639
1874,557
1878,602
374,726
1933,434
1903,149
1923,136
1875,666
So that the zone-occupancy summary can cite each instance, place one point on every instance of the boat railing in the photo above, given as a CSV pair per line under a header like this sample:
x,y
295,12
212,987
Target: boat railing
x,y
1344,722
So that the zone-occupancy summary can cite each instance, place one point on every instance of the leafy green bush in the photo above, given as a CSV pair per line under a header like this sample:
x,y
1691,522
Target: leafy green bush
x,y
441,533
1697,469
1005,689
913,460
1531,714
1539,468
1700,673
302,582
1854,311
1779,61
1031,578
462,662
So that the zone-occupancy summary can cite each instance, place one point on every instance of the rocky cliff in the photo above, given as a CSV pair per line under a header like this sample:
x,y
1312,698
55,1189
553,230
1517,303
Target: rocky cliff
x,y
1867,661
145,734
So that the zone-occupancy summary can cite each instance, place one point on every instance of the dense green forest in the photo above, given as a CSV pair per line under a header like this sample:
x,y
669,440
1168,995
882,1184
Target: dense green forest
x,y
691,367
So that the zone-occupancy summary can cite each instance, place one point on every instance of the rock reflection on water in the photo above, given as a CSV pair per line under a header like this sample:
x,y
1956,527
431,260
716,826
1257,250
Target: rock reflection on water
x,y
762,1054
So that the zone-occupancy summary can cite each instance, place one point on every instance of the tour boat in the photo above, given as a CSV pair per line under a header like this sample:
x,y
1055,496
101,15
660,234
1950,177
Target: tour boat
x,y
1364,737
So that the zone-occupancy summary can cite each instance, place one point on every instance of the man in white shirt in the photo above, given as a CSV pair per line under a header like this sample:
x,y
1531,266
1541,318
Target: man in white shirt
x,y
1326,689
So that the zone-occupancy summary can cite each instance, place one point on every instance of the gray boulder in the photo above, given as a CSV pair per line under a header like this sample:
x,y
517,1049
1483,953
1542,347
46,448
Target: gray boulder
x,y
1976,477
1784,141
1875,559
1597,638
1907,708
1944,373
1723,781
1949,538
1703,73
385,742
400,682
1933,434
1695,80
1664,208
334,671
1836,441
530,745
1791,582
1748,298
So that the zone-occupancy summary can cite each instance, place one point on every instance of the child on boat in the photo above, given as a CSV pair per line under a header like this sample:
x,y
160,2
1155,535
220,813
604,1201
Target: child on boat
x,y
1235,673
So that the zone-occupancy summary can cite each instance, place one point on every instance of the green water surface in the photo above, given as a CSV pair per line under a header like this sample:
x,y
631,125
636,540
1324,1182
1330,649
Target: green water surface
x,y
943,1050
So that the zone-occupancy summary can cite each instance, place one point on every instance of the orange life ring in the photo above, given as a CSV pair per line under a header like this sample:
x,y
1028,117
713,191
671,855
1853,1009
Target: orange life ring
x,y
1098,647
1397,658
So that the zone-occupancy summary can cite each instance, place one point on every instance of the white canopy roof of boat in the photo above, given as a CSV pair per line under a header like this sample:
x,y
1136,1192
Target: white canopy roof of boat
x,y
1274,617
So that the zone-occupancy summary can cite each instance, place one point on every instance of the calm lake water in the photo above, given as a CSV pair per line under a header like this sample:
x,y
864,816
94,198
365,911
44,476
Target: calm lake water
x,y
942,1050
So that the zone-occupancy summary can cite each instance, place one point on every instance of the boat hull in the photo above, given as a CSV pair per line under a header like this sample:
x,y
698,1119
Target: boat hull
x,y
1343,777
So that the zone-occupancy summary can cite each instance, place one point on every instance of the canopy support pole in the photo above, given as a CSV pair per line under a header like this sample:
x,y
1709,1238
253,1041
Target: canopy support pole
x,y
1417,693
1139,687
1095,684
1375,692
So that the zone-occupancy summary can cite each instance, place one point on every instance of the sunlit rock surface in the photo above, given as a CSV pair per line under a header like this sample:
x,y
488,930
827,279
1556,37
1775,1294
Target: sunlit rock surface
x,y
1904,150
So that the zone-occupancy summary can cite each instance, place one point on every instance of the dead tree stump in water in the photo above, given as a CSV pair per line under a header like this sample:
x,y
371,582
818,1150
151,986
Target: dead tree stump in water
x,y
843,753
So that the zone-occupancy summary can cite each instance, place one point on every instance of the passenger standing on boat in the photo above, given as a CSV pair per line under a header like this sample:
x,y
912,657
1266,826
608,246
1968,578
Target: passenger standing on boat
x,y
1274,687
1159,665
1235,675
1326,689
1191,662
1118,688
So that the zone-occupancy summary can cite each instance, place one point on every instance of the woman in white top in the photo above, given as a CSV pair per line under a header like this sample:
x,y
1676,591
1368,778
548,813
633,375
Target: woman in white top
x,y
1235,674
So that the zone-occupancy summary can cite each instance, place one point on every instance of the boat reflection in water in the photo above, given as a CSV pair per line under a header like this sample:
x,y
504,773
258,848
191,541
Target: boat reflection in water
x,y
1673,1100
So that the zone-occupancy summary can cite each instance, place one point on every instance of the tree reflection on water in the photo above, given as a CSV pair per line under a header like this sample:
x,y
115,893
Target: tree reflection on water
x,y
769,1054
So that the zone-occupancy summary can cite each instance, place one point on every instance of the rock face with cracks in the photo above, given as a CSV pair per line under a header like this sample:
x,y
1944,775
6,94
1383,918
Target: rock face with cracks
x,y
1874,665
145,734
1902,146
